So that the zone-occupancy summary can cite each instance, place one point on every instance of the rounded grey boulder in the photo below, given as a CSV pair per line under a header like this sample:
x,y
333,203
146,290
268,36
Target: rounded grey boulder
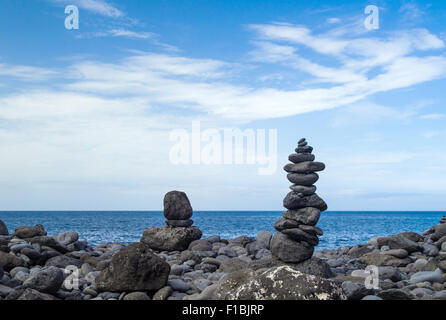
x,y
288,250
47,280
177,206
278,283
134,268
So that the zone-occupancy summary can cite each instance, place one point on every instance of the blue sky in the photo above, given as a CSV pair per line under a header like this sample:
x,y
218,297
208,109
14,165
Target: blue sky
x,y
85,115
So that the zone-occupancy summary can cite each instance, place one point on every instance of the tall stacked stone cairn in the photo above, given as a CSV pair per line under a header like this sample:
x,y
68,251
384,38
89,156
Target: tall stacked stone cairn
x,y
178,232
298,234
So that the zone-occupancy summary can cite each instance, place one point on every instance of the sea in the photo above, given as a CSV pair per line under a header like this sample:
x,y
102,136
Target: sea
x,y
341,228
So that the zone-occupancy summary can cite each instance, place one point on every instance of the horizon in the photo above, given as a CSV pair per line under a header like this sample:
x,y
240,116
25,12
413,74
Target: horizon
x,y
125,101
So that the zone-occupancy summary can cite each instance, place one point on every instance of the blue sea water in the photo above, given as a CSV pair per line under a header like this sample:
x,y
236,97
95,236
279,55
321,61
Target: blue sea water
x,y
340,228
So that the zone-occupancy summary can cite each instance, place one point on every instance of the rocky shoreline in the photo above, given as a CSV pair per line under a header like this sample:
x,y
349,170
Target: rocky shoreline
x,y
34,266
174,262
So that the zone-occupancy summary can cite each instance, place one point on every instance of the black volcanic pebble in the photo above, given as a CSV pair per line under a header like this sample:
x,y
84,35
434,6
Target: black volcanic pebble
x,y
301,140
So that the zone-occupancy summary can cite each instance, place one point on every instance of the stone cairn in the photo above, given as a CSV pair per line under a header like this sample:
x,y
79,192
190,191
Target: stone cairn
x,y
178,232
298,234
443,220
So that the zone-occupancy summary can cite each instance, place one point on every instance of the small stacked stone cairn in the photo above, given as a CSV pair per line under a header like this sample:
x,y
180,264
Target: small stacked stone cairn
x,y
298,234
178,232
443,219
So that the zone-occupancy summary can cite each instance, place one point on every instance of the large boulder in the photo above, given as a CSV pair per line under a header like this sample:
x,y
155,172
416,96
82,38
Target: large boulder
x,y
398,242
3,229
134,268
25,232
279,283
313,266
47,280
288,250
169,238
294,201
177,206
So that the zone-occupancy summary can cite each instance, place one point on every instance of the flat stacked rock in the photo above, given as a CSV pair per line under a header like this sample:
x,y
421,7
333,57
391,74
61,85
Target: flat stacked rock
x,y
298,234
443,219
178,232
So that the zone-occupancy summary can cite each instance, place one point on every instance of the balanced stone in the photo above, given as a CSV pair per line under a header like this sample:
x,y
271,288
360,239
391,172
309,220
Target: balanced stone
x,y
178,232
177,206
305,149
300,235
284,223
288,250
295,201
312,230
304,167
180,223
303,179
297,234
169,238
301,157
306,191
443,219
308,216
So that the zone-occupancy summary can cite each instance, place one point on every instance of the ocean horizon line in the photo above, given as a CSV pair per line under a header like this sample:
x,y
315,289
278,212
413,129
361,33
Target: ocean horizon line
x,y
220,211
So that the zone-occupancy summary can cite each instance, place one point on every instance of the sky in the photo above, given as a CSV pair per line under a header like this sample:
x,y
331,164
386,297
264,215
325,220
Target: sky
x,y
87,115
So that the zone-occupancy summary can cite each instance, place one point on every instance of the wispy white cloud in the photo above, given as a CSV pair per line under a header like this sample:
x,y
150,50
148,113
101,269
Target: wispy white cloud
x,y
433,116
125,33
26,73
101,7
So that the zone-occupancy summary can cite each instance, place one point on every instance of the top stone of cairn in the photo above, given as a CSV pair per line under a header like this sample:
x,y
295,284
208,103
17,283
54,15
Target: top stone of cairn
x,y
177,206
